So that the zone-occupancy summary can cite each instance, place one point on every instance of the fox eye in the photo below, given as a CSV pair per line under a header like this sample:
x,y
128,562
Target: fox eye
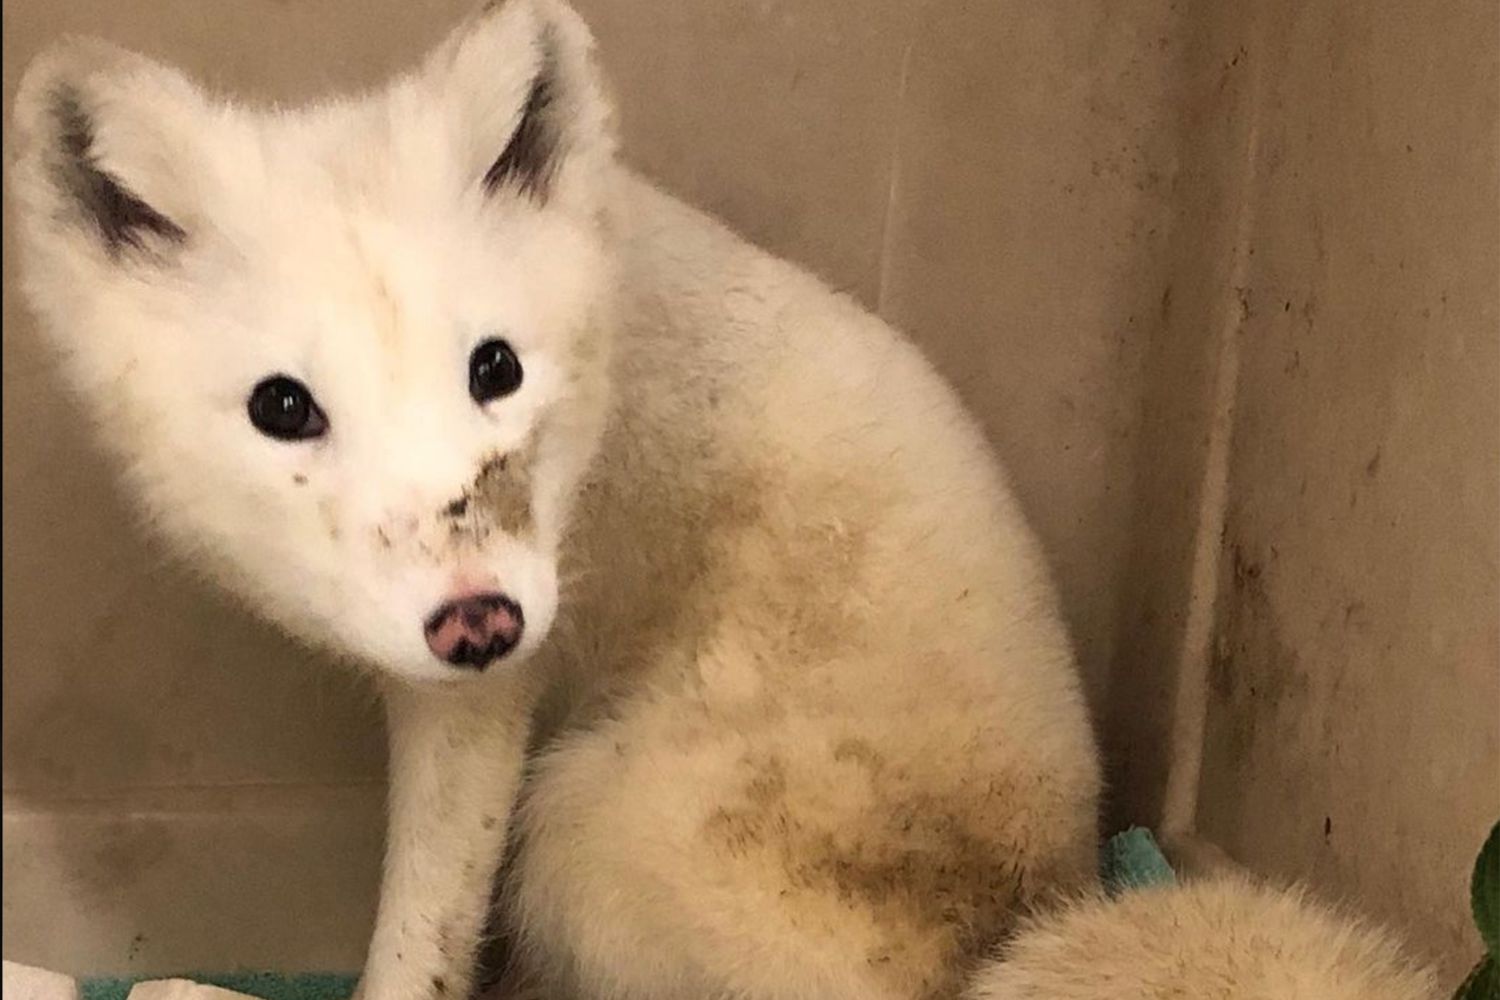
x,y
283,408
494,371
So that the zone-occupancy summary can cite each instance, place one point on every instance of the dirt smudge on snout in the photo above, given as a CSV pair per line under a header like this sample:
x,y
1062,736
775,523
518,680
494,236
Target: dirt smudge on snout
x,y
329,514
499,497
503,490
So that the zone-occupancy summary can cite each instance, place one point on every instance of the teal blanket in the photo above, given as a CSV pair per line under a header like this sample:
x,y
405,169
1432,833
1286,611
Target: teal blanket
x,y
1129,860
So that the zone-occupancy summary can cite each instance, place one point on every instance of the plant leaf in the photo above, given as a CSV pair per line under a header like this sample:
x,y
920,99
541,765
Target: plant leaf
x,y
1483,983
1485,890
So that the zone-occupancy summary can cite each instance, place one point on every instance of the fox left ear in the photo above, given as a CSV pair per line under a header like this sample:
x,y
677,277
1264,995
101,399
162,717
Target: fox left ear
x,y
526,103
104,151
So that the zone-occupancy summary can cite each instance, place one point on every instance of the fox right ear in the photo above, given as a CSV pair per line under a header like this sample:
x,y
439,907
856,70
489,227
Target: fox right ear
x,y
523,100
103,142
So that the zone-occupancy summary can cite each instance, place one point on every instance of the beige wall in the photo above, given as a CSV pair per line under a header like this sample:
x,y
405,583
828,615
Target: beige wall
x,y
1324,388
1354,697
1194,265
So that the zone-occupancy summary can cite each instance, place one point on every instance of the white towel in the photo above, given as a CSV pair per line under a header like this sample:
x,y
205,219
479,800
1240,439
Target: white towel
x,y
180,989
22,982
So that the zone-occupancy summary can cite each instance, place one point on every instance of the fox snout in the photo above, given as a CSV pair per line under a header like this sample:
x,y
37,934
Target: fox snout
x,y
474,631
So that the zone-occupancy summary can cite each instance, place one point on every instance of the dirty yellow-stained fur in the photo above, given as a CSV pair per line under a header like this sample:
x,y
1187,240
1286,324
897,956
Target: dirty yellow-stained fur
x,y
838,745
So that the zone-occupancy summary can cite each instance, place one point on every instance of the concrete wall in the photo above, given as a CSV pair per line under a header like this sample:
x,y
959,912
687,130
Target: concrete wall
x,y
1323,399
1353,709
1220,281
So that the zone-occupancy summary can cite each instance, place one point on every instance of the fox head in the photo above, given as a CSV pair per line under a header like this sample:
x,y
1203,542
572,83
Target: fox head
x,y
353,357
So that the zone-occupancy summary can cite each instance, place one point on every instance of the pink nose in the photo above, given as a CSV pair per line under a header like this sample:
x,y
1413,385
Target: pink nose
x,y
474,631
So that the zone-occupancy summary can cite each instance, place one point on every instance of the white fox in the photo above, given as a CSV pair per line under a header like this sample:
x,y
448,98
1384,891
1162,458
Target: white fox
x,y
689,587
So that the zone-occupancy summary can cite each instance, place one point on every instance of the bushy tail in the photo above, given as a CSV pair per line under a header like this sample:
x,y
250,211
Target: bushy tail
x,y
1223,937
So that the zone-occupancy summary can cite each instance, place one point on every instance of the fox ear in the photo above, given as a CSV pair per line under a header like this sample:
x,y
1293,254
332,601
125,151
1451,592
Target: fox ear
x,y
104,151
523,97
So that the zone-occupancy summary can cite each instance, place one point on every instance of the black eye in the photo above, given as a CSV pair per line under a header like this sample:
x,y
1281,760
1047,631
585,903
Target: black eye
x,y
494,371
283,408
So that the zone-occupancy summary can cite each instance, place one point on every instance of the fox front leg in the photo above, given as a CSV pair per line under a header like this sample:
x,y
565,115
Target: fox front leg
x,y
455,764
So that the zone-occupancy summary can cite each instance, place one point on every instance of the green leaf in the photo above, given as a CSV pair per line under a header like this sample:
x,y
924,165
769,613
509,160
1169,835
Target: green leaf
x,y
1485,890
1483,983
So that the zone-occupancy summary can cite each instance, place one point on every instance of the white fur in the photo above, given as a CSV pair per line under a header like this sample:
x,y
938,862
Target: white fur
x,y
347,245
804,719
